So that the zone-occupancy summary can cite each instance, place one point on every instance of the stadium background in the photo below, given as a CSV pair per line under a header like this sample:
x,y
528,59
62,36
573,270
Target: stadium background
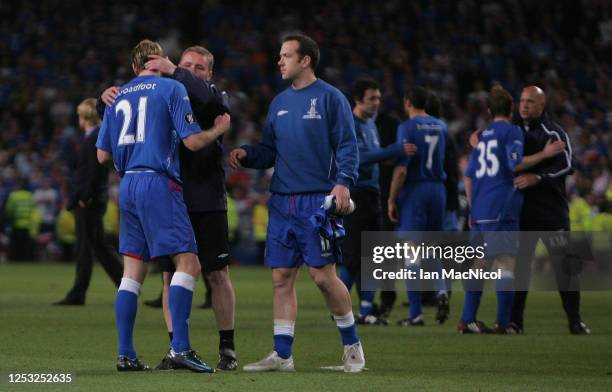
x,y
53,54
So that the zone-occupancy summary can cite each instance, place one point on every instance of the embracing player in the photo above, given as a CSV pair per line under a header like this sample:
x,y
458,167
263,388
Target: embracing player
x,y
495,210
140,134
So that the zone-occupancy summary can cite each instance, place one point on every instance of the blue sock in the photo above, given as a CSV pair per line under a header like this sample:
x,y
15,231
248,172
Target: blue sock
x,y
346,277
283,337
505,297
346,326
414,297
282,345
366,303
126,304
179,298
470,305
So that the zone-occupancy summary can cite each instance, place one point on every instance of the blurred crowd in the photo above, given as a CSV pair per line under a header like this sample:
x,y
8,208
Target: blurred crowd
x,y
53,54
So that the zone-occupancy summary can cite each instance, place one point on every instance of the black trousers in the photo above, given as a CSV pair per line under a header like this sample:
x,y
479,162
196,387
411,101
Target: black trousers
x,y
21,245
556,245
91,242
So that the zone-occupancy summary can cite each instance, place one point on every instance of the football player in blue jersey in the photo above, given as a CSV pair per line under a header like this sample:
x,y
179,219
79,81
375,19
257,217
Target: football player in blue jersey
x,y
205,197
140,134
417,199
309,139
495,209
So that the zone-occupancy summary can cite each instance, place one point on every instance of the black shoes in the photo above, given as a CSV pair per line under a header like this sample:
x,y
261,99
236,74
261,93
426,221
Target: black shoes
x,y
579,328
473,327
186,360
370,319
415,322
227,360
443,309
165,363
125,364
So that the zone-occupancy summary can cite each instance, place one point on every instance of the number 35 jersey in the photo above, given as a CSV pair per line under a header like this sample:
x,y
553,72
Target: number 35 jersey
x,y
499,151
429,134
145,124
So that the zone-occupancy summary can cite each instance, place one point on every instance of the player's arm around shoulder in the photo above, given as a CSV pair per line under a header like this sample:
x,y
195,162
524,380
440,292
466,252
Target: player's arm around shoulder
x,y
193,137
197,141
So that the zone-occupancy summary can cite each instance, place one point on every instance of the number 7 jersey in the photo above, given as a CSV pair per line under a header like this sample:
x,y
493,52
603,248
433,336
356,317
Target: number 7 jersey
x,y
430,136
499,151
144,126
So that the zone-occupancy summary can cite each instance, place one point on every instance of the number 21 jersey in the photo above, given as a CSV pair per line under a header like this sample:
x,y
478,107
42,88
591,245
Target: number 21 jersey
x,y
145,124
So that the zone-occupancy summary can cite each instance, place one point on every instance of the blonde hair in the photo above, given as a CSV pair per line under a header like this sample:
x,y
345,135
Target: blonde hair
x,y
142,51
204,52
87,111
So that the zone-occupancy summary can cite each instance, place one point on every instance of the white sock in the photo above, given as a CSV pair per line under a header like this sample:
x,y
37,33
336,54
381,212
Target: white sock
x,y
130,285
284,327
184,280
345,321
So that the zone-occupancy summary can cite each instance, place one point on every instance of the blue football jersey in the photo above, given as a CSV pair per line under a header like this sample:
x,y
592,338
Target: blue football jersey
x,y
499,151
145,124
430,135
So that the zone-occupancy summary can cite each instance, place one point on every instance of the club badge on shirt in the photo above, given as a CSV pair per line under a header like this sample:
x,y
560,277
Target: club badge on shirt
x,y
312,113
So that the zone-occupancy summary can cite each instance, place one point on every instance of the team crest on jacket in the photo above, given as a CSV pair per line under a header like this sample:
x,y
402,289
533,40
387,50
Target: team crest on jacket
x,y
312,113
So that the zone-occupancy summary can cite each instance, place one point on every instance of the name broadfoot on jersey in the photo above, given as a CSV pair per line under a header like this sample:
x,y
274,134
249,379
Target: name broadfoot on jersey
x,y
312,113
406,274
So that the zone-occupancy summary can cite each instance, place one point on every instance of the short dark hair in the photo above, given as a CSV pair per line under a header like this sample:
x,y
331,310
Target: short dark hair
x,y
500,101
417,96
361,86
307,47
433,107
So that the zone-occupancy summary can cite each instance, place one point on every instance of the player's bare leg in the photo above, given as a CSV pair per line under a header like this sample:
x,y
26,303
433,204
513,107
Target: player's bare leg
x,y
339,302
167,277
223,303
334,291
223,298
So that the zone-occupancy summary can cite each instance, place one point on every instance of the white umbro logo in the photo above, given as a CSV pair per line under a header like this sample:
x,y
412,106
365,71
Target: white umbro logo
x,y
282,112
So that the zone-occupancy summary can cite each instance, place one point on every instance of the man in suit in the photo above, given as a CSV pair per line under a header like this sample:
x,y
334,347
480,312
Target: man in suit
x,y
88,199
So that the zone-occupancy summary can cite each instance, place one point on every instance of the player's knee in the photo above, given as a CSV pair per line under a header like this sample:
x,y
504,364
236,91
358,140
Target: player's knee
x,y
282,279
322,280
218,278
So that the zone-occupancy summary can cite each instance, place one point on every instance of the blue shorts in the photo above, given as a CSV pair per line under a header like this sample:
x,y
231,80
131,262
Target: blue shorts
x,y
501,238
422,206
292,238
154,220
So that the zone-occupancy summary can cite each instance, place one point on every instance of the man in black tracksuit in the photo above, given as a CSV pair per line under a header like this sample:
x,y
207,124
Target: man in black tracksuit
x,y
88,199
545,208
204,194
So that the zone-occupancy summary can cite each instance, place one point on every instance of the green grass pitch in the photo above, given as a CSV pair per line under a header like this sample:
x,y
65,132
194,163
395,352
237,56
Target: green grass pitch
x,y
40,338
